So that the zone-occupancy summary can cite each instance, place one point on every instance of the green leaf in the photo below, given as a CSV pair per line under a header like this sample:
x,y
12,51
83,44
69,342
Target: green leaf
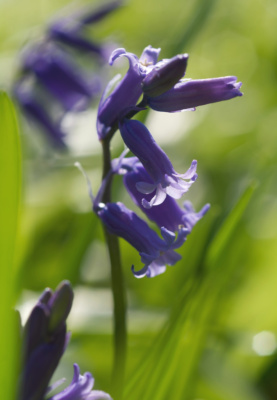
x,y
10,178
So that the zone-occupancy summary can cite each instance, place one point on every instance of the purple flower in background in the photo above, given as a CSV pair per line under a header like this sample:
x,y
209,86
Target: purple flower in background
x,y
81,388
168,214
155,252
194,93
166,181
60,76
44,341
70,30
38,114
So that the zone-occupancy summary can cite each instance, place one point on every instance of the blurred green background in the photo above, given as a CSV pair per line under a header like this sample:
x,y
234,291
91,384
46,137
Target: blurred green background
x,y
220,299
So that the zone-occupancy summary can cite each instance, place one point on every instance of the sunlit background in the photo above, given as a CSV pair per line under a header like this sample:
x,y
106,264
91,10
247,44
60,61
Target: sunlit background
x,y
224,346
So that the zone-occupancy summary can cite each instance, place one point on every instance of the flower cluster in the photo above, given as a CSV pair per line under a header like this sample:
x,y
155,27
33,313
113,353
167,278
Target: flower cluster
x,y
149,176
44,342
50,75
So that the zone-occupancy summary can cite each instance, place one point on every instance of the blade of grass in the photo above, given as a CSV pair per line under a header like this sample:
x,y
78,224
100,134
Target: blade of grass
x,y
10,178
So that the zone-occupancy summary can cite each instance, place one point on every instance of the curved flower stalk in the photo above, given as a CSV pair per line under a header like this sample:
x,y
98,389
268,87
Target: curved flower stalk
x,y
81,388
168,214
166,181
155,252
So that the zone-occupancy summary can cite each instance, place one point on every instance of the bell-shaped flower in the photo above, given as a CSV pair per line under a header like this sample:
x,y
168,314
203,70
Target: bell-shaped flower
x,y
188,94
145,76
128,91
60,76
81,388
155,252
166,181
168,214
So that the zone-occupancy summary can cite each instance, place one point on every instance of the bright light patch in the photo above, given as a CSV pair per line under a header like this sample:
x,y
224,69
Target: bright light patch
x,y
264,343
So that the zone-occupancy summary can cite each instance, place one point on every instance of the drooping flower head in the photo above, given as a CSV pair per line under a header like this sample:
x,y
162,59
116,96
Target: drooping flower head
x,y
166,181
155,252
168,214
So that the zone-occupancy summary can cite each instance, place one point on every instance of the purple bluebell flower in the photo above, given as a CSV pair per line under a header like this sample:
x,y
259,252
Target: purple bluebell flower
x,y
60,76
168,214
71,30
81,388
32,107
128,90
44,341
155,252
189,94
166,181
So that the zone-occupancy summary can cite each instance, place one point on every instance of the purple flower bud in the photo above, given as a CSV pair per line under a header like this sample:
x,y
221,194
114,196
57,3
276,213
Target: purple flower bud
x,y
155,252
165,75
44,341
193,93
81,388
168,214
38,114
60,76
166,181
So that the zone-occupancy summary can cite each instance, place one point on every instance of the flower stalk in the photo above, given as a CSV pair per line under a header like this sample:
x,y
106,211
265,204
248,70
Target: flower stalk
x,y
118,287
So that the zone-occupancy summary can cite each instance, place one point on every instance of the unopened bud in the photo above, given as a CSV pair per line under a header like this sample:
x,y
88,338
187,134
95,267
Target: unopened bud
x,y
163,78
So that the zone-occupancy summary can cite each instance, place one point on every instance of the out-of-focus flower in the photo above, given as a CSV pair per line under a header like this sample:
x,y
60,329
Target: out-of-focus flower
x,y
71,30
81,388
155,252
57,76
166,181
60,76
44,341
168,214
37,113
193,93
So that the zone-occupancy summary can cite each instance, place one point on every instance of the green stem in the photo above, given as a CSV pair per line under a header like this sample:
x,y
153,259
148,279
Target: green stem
x,y
118,290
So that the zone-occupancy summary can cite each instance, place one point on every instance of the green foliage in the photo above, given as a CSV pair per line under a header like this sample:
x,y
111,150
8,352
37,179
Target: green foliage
x,y
10,178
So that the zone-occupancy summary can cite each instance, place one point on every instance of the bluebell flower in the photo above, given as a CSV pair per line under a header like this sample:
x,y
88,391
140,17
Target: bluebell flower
x,y
81,388
189,94
145,75
60,76
161,85
37,113
154,251
166,181
168,214
70,30
44,341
